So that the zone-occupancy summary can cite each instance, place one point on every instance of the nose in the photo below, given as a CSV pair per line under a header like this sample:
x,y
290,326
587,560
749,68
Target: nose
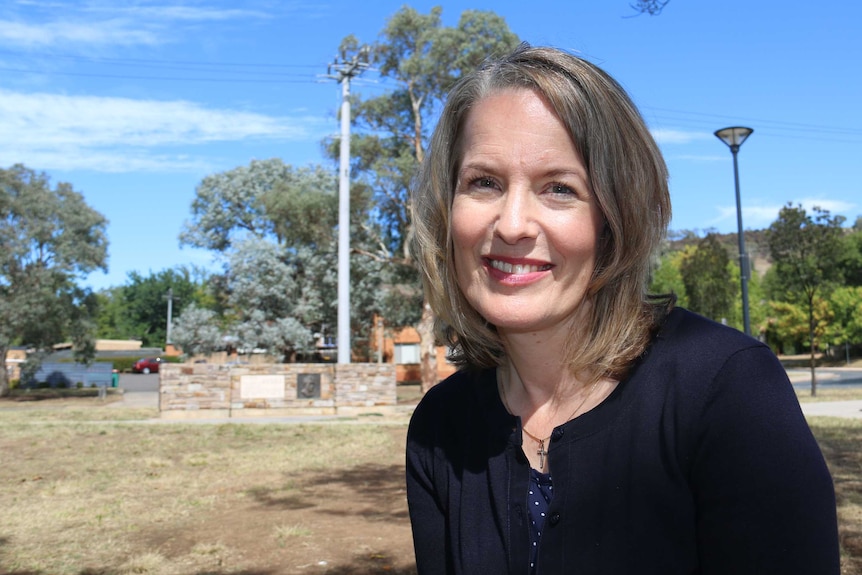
x,y
515,219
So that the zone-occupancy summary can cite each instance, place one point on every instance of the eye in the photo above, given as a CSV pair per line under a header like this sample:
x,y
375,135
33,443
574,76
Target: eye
x,y
558,188
483,182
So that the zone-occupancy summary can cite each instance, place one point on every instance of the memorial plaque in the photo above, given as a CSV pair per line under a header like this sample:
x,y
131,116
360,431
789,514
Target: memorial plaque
x,y
308,386
261,387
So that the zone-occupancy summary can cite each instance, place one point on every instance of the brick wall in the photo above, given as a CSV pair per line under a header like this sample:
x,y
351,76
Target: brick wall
x,y
217,390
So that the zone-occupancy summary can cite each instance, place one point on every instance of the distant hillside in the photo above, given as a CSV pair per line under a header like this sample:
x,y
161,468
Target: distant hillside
x,y
755,245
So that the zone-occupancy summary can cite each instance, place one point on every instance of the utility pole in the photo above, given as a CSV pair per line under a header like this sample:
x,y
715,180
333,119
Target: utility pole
x,y
170,297
343,70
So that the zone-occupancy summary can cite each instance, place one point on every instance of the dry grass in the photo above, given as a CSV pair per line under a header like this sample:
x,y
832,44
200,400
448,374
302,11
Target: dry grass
x,y
840,439
94,498
87,490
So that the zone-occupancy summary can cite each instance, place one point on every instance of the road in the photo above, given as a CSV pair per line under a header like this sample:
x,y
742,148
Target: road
x,y
139,390
827,377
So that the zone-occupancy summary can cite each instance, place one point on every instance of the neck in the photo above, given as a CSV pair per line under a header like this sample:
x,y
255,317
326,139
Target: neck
x,y
549,396
534,363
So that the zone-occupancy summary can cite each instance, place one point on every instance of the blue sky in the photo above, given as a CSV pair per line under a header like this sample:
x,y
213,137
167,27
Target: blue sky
x,y
134,101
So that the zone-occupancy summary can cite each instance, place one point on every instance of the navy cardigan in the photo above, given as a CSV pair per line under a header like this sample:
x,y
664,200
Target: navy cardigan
x,y
699,462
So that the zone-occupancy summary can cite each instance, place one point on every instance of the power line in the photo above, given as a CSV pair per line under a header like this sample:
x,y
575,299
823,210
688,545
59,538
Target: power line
x,y
273,73
678,119
309,79
156,62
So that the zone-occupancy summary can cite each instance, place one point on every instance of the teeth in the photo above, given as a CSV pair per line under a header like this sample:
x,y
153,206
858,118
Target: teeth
x,y
517,269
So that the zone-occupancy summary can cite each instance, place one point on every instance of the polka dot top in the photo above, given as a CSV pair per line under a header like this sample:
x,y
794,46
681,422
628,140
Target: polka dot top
x,y
538,498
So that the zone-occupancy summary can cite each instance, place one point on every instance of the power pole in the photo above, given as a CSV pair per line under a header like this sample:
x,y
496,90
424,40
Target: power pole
x,y
170,297
344,70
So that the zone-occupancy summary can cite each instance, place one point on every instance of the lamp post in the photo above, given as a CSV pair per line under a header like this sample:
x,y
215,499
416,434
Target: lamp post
x,y
734,137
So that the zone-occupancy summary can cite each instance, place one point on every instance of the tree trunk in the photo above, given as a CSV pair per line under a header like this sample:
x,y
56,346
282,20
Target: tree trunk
x,y
427,348
4,373
811,346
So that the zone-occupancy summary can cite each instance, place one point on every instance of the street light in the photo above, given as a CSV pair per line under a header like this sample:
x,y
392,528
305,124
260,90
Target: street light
x,y
734,137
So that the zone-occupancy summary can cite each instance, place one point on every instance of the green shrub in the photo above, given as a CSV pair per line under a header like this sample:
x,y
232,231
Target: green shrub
x,y
14,383
79,385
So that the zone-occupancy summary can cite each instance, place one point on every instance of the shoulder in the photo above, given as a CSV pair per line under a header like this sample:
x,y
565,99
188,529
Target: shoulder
x,y
463,403
459,394
688,339
459,389
695,358
683,328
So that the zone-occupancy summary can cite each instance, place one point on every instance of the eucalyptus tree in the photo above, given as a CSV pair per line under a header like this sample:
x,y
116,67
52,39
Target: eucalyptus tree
x,y
845,304
275,300
50,238
705,274
667,277
422,59
197,331
269,217
253,201
852,262
806,251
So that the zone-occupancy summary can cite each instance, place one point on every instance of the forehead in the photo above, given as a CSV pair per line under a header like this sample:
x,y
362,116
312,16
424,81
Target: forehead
x,y
512,115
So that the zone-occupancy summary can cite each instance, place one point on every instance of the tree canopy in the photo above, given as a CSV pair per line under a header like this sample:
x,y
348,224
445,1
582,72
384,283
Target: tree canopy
x,y
259,200
50,238
806,252
705,274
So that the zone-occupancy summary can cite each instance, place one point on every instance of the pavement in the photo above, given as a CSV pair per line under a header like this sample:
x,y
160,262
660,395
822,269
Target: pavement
x,y
138,399
852,409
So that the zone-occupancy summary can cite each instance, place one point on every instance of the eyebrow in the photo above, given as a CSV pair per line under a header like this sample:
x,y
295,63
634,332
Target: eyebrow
x,y
482,166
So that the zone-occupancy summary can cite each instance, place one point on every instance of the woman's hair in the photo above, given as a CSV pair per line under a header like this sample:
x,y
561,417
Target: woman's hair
x,y
628,177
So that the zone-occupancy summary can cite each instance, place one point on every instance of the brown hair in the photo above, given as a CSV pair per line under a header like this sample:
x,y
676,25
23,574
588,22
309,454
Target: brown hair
x,y
628,177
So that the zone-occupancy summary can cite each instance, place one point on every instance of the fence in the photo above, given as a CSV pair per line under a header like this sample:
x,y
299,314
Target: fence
x,y
71,374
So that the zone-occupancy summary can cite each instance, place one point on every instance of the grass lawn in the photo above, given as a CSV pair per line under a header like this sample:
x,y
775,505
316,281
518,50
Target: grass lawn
x,y
91,489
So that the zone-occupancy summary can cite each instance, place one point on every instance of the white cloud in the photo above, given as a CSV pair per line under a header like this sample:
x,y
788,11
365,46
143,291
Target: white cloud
x,y
121,134
833,206
761,216
114,33
98,24
666,136
189,13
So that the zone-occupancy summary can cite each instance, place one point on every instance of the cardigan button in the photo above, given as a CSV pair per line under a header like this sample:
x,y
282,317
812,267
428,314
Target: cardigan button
x,y
557,434
554,518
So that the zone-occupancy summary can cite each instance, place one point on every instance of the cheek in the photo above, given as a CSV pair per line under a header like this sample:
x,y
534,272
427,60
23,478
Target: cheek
x,y
465,236
464,229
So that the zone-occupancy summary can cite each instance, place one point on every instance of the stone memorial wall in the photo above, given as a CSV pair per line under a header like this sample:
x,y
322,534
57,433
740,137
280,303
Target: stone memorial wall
x,y
275,390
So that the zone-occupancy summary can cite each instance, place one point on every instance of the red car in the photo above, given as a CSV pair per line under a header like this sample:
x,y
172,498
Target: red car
x,y
147,365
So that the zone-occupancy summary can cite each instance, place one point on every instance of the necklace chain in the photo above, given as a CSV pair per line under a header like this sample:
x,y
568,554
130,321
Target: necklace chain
x,y
542,452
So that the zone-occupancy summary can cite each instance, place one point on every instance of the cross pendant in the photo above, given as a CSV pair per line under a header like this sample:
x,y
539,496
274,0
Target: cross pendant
x,y
542,454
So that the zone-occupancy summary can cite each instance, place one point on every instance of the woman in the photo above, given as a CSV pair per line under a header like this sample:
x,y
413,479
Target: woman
x,y
592,428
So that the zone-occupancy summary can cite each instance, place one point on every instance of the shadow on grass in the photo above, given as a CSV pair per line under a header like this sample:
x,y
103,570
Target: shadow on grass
x,y
373,488
270,498
372,563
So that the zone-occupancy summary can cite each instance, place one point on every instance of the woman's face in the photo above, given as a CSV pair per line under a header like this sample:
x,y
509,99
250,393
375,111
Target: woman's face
x,y
525,223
